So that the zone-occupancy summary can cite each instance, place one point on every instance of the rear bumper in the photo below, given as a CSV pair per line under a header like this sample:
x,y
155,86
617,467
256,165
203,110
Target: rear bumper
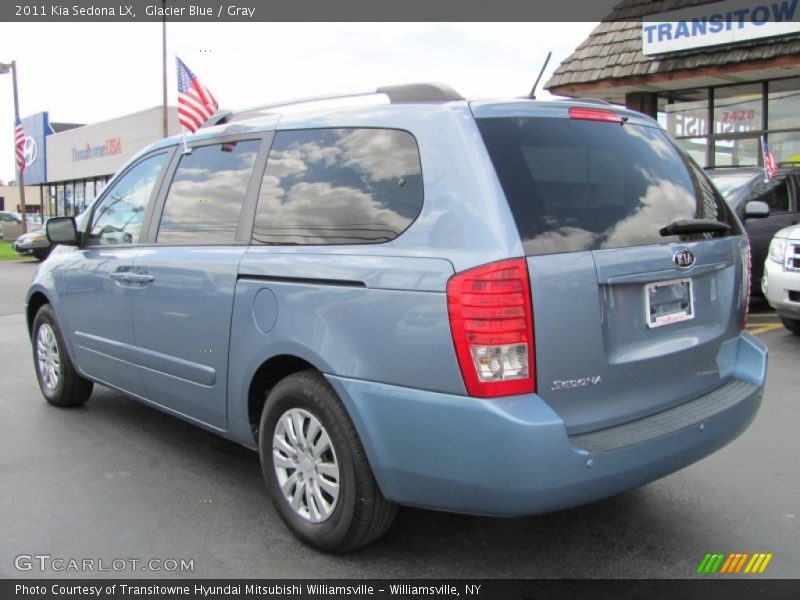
x,y
513,457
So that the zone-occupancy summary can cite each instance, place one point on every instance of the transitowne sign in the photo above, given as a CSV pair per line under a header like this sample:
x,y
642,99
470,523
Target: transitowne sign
x,y
719,23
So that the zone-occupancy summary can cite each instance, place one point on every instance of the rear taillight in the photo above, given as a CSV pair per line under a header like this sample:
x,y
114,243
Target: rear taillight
x,y
491,318
594,114
747,280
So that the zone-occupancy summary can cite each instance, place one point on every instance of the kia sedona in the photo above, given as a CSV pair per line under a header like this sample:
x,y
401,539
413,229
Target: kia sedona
x,y
495,307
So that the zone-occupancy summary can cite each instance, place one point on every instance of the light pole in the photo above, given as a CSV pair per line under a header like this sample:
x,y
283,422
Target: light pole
x,y
5,68
164,70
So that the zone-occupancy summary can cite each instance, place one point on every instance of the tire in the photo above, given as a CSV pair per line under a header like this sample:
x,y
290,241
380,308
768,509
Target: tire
x,y
358,514
61,385
40,255
792,325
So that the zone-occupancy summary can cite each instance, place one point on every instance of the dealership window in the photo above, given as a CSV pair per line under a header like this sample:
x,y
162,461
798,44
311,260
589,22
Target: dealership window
x,y
736,152
783,103
79,197
687,113
785,147
694,147
60,199
738,109
88,192
740,114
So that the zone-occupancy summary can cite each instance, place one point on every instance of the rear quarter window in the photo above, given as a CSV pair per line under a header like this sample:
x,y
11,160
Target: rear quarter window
x,y
583,185
339,186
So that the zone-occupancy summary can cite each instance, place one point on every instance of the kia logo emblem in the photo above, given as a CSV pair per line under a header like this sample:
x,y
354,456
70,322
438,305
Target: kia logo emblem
x,y
683,259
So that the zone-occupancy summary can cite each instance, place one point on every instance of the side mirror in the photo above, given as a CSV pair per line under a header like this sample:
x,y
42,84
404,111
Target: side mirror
x,y
62,230
756,209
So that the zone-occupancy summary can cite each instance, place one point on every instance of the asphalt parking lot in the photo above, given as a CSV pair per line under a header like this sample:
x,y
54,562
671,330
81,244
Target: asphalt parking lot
x,y
116,480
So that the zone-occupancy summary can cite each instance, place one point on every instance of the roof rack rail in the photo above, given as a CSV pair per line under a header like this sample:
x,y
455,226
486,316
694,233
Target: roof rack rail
x,y
397,94
419,92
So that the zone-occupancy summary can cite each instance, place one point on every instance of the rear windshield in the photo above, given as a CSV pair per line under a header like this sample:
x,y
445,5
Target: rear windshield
x,y
586,185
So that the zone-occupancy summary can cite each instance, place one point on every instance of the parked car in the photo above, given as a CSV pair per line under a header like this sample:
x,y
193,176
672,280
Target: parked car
x,y
781,283
10,225
490,307
742,186
33,243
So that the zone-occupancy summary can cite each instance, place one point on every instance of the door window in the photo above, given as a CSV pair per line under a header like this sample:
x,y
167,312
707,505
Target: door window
x,y
205,199
774,193
118,217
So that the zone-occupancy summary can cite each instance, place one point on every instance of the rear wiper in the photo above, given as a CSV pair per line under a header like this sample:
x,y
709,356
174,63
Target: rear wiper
x,y
694,226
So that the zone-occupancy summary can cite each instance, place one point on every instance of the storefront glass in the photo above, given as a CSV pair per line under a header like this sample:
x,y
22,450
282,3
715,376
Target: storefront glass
x,y
785,147
784,104
60,209
738,108
79,197
696,148
738,113
687,113
736,152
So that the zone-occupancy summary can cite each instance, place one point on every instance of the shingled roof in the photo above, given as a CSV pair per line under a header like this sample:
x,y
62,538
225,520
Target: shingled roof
x,y
612,54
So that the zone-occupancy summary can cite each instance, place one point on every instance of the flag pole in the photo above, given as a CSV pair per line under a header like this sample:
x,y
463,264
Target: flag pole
x,y
764,158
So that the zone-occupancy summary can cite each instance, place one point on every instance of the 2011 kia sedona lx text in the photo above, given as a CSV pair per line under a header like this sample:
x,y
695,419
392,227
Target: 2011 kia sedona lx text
x,y
489,307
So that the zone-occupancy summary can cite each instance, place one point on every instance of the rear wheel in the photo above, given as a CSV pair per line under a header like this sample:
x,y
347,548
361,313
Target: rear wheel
x,y
792,325
315,467
61,385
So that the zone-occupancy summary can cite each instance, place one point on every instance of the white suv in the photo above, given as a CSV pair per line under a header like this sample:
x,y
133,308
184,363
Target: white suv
x,y
781,283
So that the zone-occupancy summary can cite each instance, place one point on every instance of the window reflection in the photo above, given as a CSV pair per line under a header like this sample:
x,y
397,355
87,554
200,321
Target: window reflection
x,y
580,185
206,195
339,186
118,218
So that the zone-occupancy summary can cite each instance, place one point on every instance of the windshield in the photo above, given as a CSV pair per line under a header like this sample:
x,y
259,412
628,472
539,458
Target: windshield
x,y
586,185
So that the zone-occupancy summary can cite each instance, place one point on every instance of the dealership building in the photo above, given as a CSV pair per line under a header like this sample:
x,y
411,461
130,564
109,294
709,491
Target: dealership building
x,y
71,163
717,75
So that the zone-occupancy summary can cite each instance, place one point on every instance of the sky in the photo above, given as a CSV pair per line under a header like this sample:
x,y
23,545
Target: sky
x,y
84,73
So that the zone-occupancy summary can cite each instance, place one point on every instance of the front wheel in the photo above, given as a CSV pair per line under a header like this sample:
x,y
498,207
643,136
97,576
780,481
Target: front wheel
x,y
315,467
792,325
60,383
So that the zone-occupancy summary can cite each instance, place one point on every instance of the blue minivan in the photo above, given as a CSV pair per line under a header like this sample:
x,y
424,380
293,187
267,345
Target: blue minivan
x,y
488,307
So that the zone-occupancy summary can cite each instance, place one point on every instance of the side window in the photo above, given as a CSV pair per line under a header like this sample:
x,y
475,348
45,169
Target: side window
x,y
206,195
339,186
118,217
774,193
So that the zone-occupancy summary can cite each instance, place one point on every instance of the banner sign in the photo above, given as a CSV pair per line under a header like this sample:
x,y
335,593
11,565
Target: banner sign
x,y
37,128
719,23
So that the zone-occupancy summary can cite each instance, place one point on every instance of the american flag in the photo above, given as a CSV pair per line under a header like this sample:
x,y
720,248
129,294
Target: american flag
x,y
770,168
195,103
19,146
